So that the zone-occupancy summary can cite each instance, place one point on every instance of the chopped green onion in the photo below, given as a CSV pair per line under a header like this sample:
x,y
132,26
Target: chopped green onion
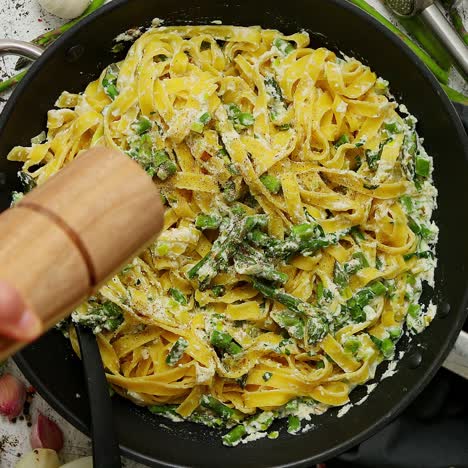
x,y
267,376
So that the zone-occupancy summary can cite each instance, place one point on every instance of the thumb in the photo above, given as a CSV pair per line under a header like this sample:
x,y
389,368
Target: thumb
x,y
16,320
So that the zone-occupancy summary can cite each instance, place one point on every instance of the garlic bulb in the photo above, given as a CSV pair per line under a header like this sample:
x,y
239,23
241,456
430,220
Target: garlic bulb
x,y
67,9
86,462
39,458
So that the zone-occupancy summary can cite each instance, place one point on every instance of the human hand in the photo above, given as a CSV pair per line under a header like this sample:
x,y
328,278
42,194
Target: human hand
x,y
16,321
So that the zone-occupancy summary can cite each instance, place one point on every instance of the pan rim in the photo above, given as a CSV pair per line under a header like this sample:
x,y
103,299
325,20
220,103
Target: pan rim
x,y
447,106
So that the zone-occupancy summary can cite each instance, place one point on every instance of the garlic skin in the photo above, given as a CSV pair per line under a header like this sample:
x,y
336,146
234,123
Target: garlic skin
x,y
67,9
39,458
46,434
12,396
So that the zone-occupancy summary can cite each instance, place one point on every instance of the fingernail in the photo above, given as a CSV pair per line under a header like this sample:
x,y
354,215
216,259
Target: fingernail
x,y
29,325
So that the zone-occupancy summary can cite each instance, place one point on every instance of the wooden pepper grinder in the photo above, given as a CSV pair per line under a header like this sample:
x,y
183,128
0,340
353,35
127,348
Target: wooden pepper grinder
x,y
68,236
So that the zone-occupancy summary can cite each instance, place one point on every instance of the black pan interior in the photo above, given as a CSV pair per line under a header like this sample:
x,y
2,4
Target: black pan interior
x,y
81,54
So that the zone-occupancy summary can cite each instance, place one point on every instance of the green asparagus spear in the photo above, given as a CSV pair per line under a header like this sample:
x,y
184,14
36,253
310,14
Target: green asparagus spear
x,y
46,39
240,119
458,23
225,341
176,352
441,74
354,306
429,42
217,407
178,296
142,125
271,183
233,230
292,322
283,46
453,95
207,222
294,424
248,261
234,436
315,324
106,316
109,82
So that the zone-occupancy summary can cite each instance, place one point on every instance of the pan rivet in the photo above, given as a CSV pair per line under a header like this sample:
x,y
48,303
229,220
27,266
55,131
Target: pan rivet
x,y
414,360
2,179
443,310
74,53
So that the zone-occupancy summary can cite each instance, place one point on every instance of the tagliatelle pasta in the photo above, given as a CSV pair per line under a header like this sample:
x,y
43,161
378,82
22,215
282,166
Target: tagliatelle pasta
x,y
297,232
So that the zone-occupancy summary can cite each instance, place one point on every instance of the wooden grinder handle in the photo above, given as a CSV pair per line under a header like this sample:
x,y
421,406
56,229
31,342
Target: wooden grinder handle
x,y
68,236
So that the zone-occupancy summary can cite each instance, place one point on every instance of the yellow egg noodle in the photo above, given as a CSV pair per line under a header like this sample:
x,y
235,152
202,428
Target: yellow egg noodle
x,y
297,232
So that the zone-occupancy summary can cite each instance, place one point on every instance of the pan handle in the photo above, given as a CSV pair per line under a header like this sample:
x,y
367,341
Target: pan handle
x,y
457,360
21,48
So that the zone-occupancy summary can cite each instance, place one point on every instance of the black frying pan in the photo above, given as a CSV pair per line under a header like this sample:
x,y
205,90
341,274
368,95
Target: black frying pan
x,y
77,58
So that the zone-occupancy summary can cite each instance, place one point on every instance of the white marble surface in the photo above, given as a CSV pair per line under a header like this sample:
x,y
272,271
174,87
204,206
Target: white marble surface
x,y
23,19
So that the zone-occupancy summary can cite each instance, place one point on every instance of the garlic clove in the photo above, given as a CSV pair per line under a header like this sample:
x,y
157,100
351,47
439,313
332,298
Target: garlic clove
x,y
46,434
86,462
67,9
39,458
12,396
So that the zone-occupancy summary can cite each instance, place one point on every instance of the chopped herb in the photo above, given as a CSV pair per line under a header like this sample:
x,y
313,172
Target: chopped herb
x,y
267,376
